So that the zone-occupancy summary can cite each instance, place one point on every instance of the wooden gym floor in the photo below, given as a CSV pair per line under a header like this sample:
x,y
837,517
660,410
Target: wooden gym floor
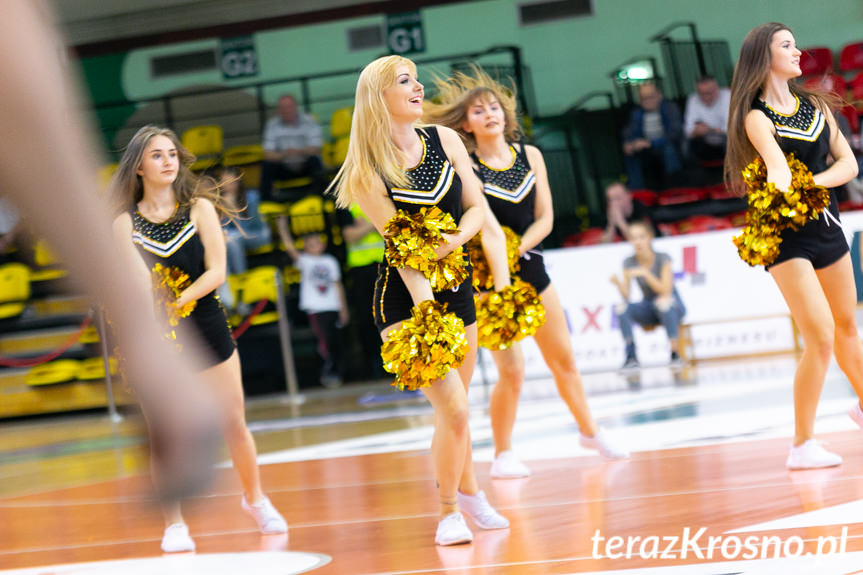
x,y
350,470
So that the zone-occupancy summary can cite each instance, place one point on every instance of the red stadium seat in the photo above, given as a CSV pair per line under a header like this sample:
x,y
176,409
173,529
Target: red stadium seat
x,y
738,219
831,82
853,118
851,57
676,196
856,87
698,224
667,229
850,206
816,60
719,192
589,237
646,197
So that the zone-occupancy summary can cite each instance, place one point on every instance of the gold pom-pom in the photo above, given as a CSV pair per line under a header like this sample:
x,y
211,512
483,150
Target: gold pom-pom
x,y
411,241
482,277
168,284
425,347
772,211
509,315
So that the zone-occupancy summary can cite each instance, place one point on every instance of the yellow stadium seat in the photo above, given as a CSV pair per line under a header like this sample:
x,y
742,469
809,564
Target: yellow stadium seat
x,y
43,254
259,283
89,335
104,176
94,368
243,155
272,209
307,216
291,275
58,371
340,123
327,150
206,143
340,151
14,289
235,284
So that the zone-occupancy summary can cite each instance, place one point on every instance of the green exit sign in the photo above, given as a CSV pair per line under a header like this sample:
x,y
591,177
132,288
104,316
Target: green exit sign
x,y
405,33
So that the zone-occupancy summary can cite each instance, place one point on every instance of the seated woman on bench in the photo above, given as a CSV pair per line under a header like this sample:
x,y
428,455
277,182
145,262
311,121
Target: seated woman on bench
x,y
661,303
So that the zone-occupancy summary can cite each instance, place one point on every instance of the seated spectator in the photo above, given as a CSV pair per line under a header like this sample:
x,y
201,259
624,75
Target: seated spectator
x,y
322,297
651,140
255,232
706,120
660,303
292,147
621,211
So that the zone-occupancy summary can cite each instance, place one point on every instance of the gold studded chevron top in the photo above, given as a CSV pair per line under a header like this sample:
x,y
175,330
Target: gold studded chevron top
x,y
511,192
174,243
804,132
434,181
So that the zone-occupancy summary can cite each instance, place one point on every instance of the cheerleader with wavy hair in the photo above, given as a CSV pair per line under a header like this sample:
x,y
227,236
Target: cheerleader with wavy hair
x,y
169,225
396,168
516,187
772,116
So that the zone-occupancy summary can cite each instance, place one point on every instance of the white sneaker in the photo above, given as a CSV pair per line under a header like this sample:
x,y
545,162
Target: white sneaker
x,y
452,530
602,443
856,414
480,510
269,520
507,466
810,455
176,539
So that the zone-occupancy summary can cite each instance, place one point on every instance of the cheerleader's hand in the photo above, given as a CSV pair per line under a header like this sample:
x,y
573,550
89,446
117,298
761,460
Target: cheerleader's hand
x,y
445,248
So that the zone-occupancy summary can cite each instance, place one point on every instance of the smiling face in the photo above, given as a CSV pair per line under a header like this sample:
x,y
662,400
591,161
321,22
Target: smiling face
x,y
404,98
485,117
160,162
784,55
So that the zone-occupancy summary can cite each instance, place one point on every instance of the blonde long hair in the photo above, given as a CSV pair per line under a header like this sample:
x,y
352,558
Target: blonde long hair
x,y
750,75
126,188
371,150
457,93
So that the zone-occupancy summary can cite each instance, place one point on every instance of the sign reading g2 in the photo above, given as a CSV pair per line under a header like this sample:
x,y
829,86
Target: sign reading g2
x,y
238,57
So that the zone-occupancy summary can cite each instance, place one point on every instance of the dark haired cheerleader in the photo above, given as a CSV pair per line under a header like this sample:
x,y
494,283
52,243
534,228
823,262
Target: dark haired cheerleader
x,y
772,117
168,224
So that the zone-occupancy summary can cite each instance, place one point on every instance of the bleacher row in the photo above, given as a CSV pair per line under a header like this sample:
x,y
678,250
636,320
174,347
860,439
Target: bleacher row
x,y
819,67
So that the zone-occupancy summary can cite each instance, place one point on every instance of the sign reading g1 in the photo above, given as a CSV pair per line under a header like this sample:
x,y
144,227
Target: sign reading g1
x,y
405,33
238,57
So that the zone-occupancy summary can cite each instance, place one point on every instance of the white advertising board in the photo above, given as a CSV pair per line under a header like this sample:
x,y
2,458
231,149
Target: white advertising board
x,y
713,283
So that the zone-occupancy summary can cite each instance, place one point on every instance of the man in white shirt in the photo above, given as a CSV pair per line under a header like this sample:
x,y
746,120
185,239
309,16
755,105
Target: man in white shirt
x,y
292,147
706,120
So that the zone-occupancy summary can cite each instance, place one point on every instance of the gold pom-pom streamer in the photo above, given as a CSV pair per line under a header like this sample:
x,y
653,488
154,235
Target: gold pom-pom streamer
x,y
509,315
772,211
425,347
168,284
482,277
411,241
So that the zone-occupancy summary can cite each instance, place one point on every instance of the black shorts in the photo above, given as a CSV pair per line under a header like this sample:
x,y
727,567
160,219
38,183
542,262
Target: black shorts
x,y
211,327
532,270
393,302
820,241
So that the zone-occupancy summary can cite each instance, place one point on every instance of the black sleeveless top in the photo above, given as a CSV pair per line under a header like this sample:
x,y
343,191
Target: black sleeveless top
x,y
511,192
434,181
176,243
804,132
